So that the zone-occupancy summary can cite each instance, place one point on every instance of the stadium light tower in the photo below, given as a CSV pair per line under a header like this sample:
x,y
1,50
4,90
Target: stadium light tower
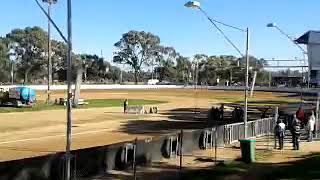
x,y
197,5
304,52
49,2
69,80
274,25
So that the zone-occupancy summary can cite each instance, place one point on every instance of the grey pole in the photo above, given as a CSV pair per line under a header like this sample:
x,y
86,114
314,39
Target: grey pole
x,y
49,54
193,5
196,75
181,150
247,85
317,115
308,72
69,79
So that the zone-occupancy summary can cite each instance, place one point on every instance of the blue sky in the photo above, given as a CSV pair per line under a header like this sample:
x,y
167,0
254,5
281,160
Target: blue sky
x,y
98,24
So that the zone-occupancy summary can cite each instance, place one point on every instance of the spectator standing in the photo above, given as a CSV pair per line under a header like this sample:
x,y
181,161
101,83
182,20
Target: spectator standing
x,y
125,106
296,126
311,125
280,129
301,115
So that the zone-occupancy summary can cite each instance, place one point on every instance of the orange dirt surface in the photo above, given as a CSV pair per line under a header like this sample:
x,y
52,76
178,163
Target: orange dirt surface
x,y
29,134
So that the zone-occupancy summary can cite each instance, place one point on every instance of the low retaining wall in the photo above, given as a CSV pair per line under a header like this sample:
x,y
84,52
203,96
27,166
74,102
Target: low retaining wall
x,y
98,87
118,86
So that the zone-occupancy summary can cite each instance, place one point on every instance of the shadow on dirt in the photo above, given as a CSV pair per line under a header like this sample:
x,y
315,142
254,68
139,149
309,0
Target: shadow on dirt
x,y
177,119
299,169
189,118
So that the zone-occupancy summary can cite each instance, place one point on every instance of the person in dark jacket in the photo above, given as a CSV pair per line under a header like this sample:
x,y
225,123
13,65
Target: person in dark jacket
x,y
279,132
125,105
296,125
301,115
221,112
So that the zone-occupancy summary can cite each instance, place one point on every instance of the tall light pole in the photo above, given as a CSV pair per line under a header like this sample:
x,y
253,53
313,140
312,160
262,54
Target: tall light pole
x,y
69,78
50,2
197,5
304,52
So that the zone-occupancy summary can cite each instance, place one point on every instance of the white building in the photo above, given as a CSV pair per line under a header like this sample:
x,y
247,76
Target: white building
x,y
312,40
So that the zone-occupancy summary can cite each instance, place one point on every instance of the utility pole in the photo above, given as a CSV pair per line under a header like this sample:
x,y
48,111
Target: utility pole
x,y
49,56
49,63
247,85
69,103
197,5
69,79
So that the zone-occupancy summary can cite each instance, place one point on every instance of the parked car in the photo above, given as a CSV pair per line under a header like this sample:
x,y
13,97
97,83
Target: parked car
x,y
153,81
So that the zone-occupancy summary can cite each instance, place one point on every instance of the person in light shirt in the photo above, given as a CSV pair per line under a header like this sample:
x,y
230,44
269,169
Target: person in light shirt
x,y
280,129
310,125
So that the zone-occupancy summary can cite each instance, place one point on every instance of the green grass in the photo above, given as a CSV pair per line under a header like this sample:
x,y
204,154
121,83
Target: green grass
x,y
93,103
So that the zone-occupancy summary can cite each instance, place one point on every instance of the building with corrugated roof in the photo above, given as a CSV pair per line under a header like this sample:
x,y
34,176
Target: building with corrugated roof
x,y
312,40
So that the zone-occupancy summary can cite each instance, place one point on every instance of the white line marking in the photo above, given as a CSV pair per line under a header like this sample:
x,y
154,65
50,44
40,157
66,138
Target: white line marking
x,y
58,135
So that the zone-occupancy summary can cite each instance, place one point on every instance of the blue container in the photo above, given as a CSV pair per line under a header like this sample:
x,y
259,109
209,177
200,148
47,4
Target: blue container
x,y
26,94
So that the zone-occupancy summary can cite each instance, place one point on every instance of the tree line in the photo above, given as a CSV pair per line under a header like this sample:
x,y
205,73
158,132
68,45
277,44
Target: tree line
x,y
24,54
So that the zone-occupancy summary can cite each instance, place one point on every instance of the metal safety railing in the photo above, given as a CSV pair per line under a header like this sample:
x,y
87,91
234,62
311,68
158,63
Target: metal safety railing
x,y
261,127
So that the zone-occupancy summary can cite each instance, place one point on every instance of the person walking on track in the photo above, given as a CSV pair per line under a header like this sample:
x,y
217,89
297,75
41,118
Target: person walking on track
x,y
296,126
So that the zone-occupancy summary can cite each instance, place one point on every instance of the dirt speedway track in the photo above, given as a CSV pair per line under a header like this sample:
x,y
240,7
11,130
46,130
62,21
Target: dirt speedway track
x,y
30,134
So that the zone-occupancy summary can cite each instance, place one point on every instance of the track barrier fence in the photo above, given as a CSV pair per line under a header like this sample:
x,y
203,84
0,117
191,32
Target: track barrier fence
x,y
122,156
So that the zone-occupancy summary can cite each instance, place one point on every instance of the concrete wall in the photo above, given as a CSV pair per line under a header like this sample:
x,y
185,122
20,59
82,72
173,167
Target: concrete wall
x,y
40,168
123,87
93,161
99,87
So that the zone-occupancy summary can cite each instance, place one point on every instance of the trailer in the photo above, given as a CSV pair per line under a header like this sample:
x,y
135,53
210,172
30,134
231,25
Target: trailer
x,y
17,97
